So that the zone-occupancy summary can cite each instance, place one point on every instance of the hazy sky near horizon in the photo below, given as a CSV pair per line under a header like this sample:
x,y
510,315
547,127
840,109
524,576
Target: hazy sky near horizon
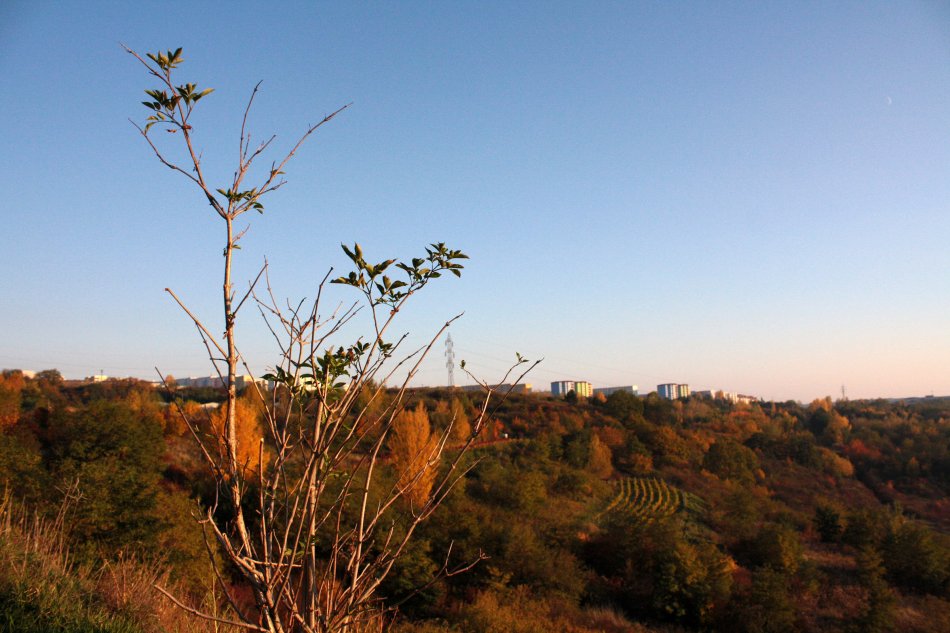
x,y
743,196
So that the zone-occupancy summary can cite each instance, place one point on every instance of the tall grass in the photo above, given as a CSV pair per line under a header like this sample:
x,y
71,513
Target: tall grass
x,y
519,610
43,591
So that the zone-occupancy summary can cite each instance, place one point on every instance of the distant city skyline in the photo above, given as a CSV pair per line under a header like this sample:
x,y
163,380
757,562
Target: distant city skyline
x,y
738,196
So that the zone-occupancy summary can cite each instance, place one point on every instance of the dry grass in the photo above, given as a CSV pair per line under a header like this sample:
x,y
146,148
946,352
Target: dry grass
x,y
521,611
42,589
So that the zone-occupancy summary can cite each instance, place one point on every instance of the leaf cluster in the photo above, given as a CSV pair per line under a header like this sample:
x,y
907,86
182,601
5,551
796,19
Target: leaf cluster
x,y
324,370
166,104
381,289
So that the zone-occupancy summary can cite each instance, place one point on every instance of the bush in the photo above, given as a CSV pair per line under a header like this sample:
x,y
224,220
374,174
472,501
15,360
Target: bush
x,y
110,458
521,611
776,546
730,460
917,558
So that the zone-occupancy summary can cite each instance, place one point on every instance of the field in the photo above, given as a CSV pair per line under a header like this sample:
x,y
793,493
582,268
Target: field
x,y
648,499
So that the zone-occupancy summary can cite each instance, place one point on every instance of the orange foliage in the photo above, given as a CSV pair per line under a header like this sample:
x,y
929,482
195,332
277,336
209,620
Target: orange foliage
x,y
13,380
461,427
520,426
173,423
11,384
249,430
858,449
413,448
640,464
144,402
612,437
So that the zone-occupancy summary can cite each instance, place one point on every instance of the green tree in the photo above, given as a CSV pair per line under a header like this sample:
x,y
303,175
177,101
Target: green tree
x,y
776,546
109,460
864,528
917,558
623,406
22,472
827,522
690,581
767,607
577,448
731,460
658,410
658,572
878,614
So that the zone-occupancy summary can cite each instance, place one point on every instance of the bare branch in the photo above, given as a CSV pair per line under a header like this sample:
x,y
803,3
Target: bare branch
x,y
196,321
205,616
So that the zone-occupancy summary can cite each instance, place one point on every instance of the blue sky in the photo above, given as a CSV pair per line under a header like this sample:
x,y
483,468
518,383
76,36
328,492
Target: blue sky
x,y
744,196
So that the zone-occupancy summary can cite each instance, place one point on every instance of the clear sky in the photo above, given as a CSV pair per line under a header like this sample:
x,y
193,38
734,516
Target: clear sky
x,y
742,196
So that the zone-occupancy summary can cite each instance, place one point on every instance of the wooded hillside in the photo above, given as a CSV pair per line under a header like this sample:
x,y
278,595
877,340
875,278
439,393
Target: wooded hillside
x,y
617,514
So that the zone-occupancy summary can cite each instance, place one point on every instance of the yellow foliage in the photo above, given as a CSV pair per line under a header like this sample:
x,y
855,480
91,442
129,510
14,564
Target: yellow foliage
x,y
249,430
834,464
601,458
838,427
413,447
145,403
461,427
175,425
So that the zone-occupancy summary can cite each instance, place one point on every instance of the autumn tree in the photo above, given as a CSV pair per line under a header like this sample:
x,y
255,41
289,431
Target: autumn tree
x,y
461,427
11,384
248,430
826,423
414,450
600,461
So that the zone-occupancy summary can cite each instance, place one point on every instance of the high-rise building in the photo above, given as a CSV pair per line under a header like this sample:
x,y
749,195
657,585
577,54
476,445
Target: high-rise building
x,y
521,387
579,387
633,389
673,390
241,381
